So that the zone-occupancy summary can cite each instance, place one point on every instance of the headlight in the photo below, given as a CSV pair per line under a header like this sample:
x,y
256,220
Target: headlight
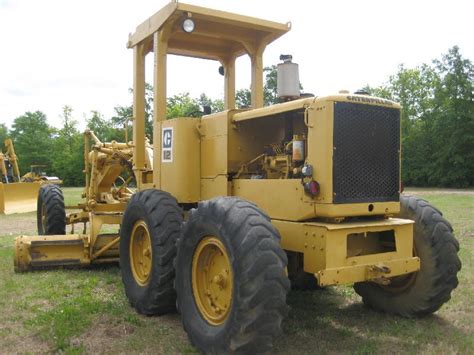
x,y
188,25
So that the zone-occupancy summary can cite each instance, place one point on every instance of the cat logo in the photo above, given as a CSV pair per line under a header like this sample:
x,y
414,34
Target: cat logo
x,y
167,145
370,100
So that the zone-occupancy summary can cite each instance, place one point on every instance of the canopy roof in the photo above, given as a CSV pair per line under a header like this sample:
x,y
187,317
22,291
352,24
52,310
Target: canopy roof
x,y
218,35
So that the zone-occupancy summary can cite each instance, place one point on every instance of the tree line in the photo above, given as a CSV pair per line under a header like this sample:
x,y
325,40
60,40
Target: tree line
x,y
437,120
437,124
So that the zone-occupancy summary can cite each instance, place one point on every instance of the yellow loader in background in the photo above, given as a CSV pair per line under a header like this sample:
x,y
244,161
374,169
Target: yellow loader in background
x,y
18,194
37,173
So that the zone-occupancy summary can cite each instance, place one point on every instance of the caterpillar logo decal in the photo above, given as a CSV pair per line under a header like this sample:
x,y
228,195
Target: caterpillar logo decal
x,y
370,100
167,145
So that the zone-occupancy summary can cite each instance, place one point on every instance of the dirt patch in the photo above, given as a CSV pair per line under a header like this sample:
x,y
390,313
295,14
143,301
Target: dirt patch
x,y
101,336
109,334
15,340
18,224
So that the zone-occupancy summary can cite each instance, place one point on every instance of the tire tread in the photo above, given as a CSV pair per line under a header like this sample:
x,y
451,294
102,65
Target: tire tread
x,y
52,197
436,289
165,218
260,300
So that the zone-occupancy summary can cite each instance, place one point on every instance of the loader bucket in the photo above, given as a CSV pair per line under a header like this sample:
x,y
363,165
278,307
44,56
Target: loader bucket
x,y
18,197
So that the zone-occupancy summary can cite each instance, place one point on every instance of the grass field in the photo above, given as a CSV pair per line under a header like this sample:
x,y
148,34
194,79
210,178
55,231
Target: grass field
x,y
86,311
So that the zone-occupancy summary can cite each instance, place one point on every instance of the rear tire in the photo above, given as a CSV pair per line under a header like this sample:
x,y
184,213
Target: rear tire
x,y
427,290
51,212
304,281
299,279
151,222
252,282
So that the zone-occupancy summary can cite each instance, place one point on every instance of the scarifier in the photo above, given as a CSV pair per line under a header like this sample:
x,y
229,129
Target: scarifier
x,y
232,207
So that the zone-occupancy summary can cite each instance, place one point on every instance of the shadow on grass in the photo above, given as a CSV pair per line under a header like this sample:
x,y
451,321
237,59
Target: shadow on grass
x,y
335,320
112,266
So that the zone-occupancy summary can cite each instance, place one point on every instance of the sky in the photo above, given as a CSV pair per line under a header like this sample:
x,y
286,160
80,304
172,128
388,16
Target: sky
x,y
73,52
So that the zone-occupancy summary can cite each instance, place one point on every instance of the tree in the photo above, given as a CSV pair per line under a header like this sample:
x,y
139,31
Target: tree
x,y
125,113
414,90
270,92
182,105
215,105
99,125
69,131
437,120
31,136
3,134
68,153
106,130
454,120
243,98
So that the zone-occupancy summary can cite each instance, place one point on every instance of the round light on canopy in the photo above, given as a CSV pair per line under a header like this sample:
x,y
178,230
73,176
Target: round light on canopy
x,y
188,25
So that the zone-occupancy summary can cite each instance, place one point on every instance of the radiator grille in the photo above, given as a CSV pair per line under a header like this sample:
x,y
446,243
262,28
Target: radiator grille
x,y
366,162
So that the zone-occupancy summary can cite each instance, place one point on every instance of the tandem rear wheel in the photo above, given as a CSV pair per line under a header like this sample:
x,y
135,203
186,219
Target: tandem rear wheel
x,y
230,277
425,291
230,280
150,228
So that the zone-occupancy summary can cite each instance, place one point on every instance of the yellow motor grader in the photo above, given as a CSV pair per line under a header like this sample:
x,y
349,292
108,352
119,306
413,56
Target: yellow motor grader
x,y
233,208
18,194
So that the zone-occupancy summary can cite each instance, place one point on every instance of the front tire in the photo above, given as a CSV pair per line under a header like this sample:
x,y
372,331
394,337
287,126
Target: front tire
x,y
50,211
425,291
150,227
230,277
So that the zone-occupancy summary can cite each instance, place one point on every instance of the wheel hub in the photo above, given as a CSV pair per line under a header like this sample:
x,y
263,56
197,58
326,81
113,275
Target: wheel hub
x,y
212,280
140,253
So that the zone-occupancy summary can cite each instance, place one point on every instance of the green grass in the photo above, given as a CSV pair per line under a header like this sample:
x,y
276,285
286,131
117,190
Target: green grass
x,y
72,195
86,311
65,310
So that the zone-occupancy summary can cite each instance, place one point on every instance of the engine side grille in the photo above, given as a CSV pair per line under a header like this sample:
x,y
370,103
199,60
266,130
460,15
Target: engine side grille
x,y
366,159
